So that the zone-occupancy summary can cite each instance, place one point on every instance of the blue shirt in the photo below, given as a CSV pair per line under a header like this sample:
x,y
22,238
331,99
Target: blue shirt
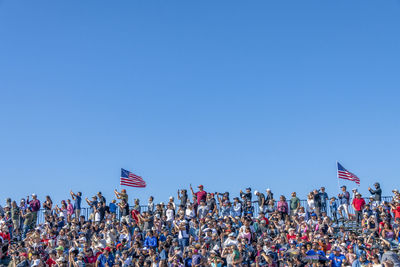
x,y
333,206
337,261
312,252
344,198
77,203
113,208
102,259
150,242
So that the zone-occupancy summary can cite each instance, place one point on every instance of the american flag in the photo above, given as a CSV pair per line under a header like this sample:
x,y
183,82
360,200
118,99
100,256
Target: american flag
x,y
345,174
130,179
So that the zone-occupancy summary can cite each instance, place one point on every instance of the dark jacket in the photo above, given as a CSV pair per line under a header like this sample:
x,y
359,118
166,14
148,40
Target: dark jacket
x,y
376,193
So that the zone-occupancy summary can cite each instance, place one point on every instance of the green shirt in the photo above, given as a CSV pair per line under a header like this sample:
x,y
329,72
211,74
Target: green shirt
x,y
294,203
15,213
28,218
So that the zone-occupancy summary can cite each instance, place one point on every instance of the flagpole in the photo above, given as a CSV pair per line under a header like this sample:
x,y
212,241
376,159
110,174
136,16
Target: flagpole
x,y
337,175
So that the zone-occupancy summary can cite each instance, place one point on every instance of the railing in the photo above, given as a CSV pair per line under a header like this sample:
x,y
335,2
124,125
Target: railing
x,y
86,211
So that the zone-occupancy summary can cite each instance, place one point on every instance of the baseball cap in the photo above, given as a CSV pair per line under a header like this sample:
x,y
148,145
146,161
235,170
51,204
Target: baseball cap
x,y
200,185
255,192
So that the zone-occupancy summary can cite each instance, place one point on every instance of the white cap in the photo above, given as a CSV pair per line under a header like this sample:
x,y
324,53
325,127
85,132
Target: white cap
x,y
255,192
268,189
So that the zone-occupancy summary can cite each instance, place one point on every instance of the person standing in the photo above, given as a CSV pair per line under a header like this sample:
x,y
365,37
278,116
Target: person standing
x,y
246,195
358,205
77,198
270,196
183,197
200,195
282,206
344,201
377,193
324,199
34,204
317,202
122,195
15,217
260,200
294,204
333,207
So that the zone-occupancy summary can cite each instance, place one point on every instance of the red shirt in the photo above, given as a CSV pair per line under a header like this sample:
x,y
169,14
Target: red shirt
x,y
358,204
396,212
201,195
50,262
5,236
91,259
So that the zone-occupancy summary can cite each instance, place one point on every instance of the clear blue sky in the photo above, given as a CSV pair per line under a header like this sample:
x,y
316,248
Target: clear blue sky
x,y
224,93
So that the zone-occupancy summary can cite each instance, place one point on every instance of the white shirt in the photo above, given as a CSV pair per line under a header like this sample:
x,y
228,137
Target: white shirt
x,y
170,215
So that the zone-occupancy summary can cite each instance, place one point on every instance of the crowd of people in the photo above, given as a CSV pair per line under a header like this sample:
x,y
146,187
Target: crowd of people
x,y
201,228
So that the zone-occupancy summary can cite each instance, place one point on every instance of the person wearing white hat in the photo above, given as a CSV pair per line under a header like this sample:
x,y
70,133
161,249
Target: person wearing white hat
x,y
270,196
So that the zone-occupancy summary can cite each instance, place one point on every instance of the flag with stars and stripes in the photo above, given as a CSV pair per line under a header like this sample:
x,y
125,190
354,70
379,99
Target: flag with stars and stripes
x,y
345,174
130,179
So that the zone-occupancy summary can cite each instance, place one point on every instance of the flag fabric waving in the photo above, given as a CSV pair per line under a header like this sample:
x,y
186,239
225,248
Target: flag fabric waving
x,y
345,174
130,179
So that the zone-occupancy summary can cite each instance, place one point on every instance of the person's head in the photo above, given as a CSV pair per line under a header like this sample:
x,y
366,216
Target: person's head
x,y
337,251
322,189
343,188
34,196
99,194
107,251
358,195
377,185
282,198
293,194
151,198
375,259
